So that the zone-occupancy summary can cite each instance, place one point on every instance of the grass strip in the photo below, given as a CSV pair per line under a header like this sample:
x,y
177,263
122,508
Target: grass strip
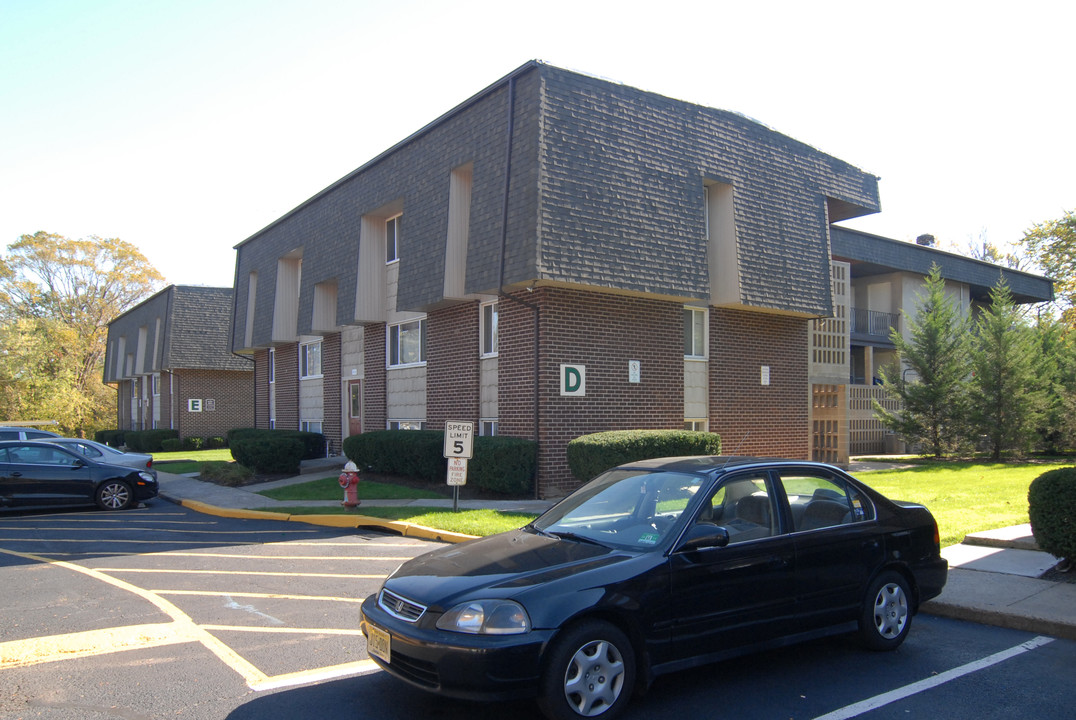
x,y
469,522
328,488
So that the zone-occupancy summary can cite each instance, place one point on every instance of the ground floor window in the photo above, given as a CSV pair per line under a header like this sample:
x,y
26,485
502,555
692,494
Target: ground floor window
x,y
487,427
311,426
407,424
695,424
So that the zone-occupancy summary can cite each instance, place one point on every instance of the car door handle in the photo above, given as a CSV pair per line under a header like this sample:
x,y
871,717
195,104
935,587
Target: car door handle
x,y
16,474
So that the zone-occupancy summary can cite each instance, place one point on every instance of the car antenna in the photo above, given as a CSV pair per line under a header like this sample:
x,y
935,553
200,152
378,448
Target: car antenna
x,y
737,450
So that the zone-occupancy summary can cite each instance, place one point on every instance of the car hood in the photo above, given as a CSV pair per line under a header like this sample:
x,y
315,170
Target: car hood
x,y
500,565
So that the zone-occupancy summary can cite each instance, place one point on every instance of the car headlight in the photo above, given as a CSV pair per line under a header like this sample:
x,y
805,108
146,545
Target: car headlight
x,y
486,617
146,477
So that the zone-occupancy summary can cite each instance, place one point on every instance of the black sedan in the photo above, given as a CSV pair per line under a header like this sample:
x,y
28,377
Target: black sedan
x,y
41,473
654,567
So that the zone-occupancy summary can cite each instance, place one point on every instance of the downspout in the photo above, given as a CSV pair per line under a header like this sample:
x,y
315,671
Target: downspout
x,y
504,244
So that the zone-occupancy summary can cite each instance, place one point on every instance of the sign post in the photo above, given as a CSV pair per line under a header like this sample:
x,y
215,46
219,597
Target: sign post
x,y
459,447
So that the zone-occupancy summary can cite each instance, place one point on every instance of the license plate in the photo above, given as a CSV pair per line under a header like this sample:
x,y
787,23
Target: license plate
x,y
378,642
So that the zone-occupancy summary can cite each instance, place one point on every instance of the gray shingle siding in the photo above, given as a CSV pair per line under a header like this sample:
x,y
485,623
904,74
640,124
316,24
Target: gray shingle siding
x,y
606,191
194,331
622,196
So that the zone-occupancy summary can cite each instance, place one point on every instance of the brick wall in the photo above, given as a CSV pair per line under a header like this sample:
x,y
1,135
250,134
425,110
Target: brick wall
x,y
756,419
286,380
232,393
331,401
374,412
452,368
601,332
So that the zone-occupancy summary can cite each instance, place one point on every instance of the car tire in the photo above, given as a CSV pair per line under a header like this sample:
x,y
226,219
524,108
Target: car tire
x,y
114,495
886,617
589,672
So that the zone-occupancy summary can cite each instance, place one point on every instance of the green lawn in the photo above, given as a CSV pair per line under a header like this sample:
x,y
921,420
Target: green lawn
x,y
186,461
964,497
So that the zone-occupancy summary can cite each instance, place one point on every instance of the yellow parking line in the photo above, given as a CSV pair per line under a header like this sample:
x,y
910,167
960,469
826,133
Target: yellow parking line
x,y
239,572
186,626
264,596
32,651
285,630
82,541
169,530
360,667
239,556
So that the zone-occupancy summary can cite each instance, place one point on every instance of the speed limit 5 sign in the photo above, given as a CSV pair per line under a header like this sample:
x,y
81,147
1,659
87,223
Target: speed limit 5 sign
x,y
459,439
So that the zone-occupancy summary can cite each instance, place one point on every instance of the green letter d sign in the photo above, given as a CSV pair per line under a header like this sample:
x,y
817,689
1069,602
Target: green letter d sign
x,y
573,380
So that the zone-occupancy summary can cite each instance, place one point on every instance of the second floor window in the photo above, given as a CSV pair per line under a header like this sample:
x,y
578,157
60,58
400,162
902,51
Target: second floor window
x,y
310,359
694,333
392,238
272,366
489,329
407,343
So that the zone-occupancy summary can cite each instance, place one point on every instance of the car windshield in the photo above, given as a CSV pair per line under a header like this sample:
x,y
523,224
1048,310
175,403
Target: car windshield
x,y
624,508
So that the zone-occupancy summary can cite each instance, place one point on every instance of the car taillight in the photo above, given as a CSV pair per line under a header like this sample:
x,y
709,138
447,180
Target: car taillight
x,y
149,464
937,535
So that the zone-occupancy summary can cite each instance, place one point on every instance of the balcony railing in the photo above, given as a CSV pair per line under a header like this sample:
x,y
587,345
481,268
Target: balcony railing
x,y
873,323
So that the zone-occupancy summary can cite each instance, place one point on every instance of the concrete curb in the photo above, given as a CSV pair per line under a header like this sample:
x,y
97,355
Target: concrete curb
x,y
405,529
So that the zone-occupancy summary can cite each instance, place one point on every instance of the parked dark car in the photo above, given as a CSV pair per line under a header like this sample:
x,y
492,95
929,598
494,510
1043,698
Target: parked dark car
x,y
654,567
36,472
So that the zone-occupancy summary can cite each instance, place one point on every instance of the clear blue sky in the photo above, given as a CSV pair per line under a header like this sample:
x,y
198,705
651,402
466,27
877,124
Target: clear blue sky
x,y
185,127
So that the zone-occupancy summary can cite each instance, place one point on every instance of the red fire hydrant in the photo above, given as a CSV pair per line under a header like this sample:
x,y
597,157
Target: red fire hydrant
x,y
349,480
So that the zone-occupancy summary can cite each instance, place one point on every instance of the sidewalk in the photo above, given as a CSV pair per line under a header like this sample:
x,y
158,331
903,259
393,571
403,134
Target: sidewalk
x,y
993,576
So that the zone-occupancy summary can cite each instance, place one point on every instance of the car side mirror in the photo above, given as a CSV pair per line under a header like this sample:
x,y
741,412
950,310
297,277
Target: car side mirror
x,y
701,536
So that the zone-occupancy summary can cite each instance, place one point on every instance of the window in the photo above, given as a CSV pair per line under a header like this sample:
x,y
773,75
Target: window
x,y
355,392
820,500
272,366
392,239
272,423
311,426
489,329
310,360
696,425
407,424
487,428
407,343
742,506
694,333
155,384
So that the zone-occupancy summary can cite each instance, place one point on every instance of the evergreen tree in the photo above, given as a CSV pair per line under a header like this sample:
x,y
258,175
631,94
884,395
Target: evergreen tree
x,y
1004,399
1055,381
935,357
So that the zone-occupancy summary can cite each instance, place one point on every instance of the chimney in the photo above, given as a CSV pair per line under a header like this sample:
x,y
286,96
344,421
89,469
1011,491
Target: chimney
x,y
925,240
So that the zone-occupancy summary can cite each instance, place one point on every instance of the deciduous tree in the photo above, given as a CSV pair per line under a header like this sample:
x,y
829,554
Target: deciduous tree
x,y
57,297
1052,245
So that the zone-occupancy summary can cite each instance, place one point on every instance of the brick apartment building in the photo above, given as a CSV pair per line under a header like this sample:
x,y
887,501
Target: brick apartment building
x,y
560,255
170,361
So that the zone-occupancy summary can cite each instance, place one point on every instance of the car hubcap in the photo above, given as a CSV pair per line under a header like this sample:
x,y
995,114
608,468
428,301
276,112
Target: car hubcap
x,y
890,611
114,496
595,678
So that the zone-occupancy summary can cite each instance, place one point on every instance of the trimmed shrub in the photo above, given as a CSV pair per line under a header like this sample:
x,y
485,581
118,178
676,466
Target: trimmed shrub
x,y
148,440
193,443
503,464
589,455
171,444
215,443
313,443
268,453
225,473
112,438
1051,500
500,464
411,453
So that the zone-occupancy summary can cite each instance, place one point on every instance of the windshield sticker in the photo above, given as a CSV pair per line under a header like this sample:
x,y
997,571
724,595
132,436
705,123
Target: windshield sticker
x,y
649,539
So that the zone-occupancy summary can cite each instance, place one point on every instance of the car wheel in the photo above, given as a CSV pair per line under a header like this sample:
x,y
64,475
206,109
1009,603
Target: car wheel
x,y
887,612
589,672
114,495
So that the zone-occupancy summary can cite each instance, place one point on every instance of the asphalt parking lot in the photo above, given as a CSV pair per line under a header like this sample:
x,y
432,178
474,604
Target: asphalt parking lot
x,y
163,612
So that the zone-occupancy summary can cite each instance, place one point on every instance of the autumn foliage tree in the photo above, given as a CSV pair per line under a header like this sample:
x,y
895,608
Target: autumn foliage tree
x,y
1052,245
57,297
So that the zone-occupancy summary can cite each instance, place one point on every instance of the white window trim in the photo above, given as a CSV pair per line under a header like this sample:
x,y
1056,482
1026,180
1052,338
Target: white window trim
x,y
482,353
388,342
410,421
303,348
705,333
272,365
304,425
482,426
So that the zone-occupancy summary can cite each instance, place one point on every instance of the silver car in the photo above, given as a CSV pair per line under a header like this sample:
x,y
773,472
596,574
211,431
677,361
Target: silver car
x,y
105,454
